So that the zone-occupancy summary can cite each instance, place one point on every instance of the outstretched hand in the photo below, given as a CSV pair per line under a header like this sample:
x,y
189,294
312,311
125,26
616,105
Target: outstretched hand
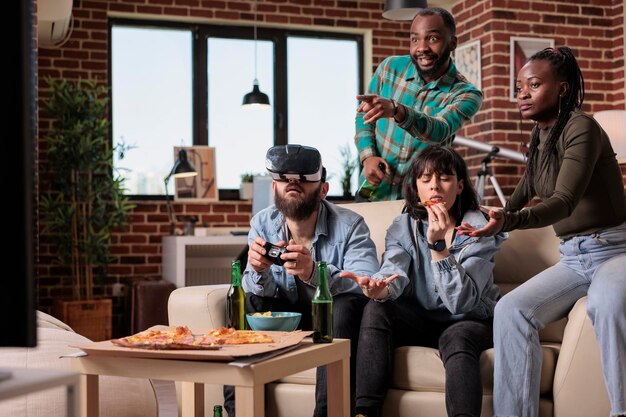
x,y
493,226
375,107
372,288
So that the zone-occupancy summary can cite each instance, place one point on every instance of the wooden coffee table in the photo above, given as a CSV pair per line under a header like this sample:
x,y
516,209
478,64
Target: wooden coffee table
x,y
249,381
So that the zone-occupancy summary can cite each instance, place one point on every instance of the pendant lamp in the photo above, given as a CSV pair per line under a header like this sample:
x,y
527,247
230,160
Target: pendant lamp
x,y
255,98
403,9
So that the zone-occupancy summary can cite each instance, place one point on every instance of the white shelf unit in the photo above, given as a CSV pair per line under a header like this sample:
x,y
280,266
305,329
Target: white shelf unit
x,y
200,260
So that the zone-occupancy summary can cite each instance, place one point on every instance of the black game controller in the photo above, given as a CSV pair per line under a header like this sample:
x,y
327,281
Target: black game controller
x,y
274,252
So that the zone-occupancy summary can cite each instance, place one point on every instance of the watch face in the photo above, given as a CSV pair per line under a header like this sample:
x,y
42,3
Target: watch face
x,y
438,246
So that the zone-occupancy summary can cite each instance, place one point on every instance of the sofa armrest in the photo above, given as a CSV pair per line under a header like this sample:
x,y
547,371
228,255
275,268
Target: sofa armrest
x,y
579,388
201,306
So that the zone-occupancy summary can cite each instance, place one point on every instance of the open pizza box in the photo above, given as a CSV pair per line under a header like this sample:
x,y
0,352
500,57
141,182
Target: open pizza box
x,y
282,341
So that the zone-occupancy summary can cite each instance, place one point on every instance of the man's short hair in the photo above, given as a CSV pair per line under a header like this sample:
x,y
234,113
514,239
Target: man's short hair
x,y
448,20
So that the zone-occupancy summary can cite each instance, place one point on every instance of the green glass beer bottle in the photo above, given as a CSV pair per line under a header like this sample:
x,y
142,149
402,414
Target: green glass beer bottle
x,y
217,411
322,307
372,192
235,299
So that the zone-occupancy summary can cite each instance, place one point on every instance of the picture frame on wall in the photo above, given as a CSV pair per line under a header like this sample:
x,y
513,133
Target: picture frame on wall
x,y
202,187
522,49
467,61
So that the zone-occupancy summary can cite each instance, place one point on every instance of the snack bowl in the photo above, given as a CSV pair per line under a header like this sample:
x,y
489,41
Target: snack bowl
x,y
285,321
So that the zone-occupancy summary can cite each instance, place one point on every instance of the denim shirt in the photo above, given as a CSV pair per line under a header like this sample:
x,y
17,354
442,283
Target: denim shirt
x,y
342,240
458,287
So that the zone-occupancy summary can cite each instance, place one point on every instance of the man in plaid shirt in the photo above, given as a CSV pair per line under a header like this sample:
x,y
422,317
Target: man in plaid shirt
x,y
413,101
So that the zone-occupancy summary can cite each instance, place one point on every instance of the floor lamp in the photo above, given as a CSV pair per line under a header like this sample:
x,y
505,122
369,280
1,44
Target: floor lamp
x,y
182,169
614,124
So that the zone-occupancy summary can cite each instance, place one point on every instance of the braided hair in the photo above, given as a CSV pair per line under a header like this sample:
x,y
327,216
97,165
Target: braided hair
x,y
565,68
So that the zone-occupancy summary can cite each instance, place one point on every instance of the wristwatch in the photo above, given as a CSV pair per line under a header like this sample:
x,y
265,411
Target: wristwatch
x,y
438,246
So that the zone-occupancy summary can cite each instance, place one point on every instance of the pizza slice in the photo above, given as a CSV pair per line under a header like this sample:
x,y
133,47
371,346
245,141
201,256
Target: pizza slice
x,y
158,339
428,203
182,338
230,336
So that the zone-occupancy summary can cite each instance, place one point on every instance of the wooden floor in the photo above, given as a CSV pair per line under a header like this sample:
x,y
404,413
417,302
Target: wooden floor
x,y
166,394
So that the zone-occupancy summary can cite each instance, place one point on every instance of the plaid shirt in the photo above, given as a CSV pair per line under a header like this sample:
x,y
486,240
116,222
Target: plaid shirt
x,y
435,112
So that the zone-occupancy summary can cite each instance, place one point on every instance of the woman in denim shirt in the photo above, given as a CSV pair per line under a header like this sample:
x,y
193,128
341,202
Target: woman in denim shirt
x,y
435,288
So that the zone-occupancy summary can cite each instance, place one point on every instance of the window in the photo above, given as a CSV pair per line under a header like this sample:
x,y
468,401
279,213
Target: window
x,y
151,103
240,136
321,93
181,85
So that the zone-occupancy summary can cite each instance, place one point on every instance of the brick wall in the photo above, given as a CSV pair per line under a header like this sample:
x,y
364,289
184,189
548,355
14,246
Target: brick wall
x,y
593,28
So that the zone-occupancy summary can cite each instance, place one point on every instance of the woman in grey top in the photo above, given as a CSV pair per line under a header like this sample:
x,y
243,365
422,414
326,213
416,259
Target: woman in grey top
x,y
435,288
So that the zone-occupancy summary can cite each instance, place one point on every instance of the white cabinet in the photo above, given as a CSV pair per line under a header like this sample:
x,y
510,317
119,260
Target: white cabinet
x,y
200,260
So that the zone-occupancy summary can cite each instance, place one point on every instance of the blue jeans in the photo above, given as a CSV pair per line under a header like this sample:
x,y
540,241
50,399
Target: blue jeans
x,y
549,296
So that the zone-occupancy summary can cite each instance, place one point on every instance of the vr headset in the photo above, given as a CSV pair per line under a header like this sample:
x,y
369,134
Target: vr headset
x,y
295,162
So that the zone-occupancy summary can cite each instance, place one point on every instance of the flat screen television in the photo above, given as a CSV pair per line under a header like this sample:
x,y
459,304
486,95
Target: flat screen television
x,y
17,300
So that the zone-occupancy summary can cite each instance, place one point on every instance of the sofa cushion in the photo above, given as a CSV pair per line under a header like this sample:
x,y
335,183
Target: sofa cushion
x,y
419,368
47,321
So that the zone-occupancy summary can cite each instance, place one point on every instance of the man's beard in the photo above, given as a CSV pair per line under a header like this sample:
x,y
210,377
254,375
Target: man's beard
x,y
300,207
441,61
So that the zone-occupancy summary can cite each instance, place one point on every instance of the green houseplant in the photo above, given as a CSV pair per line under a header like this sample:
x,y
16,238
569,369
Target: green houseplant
x,y
348,165
245,188
85,200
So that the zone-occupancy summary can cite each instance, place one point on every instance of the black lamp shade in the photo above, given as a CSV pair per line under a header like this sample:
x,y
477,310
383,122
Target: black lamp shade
x,y
182,167
403,9
256,97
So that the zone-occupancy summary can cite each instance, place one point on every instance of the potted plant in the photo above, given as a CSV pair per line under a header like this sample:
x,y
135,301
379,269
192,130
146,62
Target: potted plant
x,y
349,165
245,189
85,200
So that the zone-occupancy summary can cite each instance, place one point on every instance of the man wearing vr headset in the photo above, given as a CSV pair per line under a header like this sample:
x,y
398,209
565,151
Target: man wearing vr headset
x,y
310,229
413,101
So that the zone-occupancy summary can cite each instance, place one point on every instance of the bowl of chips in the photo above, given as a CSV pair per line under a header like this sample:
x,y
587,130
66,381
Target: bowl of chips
x,y
284,321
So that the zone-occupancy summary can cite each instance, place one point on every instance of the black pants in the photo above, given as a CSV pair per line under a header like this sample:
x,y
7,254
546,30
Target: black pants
x,y
388,325
347,311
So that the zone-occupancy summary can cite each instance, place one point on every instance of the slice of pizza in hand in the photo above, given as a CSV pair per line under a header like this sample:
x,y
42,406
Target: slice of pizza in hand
x,y
428,203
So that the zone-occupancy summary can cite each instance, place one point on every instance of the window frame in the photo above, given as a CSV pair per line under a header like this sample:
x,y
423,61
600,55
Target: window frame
x,y
201,32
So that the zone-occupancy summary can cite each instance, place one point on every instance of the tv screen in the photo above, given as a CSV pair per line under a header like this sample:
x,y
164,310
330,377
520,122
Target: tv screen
x,y
17,307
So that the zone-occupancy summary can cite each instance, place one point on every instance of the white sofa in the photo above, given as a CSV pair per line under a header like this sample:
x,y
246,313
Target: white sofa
x,y
572,384
119,397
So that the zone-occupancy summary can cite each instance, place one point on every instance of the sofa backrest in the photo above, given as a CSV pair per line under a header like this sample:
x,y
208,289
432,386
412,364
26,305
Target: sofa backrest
x,y
524,254
378,216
